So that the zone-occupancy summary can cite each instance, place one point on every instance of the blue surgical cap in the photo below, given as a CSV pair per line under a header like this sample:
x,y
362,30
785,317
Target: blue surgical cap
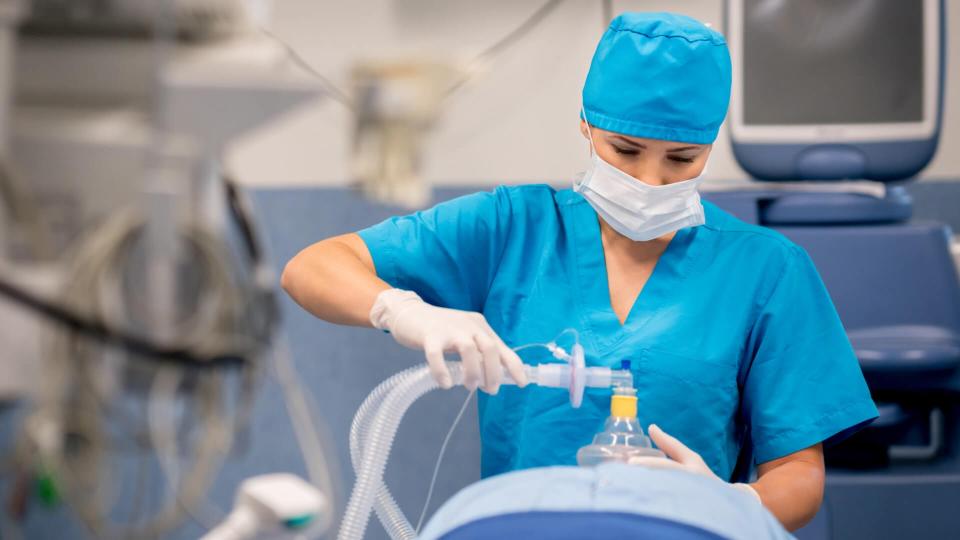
x,y
659,76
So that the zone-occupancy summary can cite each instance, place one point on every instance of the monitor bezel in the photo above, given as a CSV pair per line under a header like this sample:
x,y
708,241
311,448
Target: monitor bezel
x,y
837,133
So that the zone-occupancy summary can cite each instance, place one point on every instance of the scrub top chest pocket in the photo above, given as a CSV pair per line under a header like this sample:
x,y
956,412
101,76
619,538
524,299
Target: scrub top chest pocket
x,y
693,399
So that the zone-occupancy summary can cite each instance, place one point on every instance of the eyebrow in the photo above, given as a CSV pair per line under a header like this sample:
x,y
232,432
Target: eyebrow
x,y
628,141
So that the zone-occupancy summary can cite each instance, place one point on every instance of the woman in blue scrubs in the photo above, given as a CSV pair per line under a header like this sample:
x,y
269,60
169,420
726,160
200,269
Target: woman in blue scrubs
x,y
736,348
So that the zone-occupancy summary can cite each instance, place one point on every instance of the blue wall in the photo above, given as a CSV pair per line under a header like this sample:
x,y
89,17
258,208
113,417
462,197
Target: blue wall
x,y
341,365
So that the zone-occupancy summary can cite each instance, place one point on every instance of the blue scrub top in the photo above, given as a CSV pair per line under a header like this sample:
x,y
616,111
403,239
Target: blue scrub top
x,y
734,342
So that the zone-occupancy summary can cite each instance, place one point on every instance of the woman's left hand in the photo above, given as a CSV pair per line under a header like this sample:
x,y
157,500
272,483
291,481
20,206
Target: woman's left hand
x,y
680,457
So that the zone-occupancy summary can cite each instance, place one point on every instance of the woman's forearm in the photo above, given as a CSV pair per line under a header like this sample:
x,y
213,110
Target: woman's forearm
x,y
792,489
335,280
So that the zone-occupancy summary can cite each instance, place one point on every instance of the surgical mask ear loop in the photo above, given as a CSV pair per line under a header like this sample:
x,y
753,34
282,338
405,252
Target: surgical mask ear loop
x,y
593,149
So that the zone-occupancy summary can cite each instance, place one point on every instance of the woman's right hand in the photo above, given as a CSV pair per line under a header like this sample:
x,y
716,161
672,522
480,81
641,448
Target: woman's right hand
x,y
418,325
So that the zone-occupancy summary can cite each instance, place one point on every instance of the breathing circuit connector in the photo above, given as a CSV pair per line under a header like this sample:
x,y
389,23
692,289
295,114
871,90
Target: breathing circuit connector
x,y
574,376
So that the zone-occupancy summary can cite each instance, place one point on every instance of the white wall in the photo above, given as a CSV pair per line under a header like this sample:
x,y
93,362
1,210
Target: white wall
x,y
516,124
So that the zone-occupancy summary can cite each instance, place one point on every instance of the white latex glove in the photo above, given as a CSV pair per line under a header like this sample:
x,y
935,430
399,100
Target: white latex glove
x,y
435,330
680,457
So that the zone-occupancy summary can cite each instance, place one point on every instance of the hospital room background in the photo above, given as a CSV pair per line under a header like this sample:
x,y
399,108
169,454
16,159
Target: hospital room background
x,y
294,174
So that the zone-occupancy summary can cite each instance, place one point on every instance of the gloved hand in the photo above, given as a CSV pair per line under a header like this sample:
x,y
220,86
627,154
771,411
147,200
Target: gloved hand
x,y
680,457
418,325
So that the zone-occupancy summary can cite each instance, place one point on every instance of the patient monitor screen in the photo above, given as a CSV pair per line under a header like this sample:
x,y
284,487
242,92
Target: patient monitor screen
x,y
832,61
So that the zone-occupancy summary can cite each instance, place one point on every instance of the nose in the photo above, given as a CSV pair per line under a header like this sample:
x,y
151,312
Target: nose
x,y
647,173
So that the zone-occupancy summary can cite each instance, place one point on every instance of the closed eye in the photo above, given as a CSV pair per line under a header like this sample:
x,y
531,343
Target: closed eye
x,y
624,151
681,159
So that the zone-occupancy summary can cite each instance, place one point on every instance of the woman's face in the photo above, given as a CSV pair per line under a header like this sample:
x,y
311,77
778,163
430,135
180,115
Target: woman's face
x,y
651,161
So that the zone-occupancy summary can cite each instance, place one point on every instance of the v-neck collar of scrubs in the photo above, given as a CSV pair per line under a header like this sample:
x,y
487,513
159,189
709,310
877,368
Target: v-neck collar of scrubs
x,y
592,282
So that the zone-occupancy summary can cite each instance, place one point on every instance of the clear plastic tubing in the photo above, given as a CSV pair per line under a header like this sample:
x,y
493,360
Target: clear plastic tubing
x,y
380,430
376,422
389,513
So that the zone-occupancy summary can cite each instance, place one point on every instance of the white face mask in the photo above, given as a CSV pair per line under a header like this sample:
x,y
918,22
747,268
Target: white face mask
x,y
635,209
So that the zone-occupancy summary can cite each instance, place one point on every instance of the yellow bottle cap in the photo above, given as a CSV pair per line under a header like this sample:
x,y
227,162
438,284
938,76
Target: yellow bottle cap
x,y
623,406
